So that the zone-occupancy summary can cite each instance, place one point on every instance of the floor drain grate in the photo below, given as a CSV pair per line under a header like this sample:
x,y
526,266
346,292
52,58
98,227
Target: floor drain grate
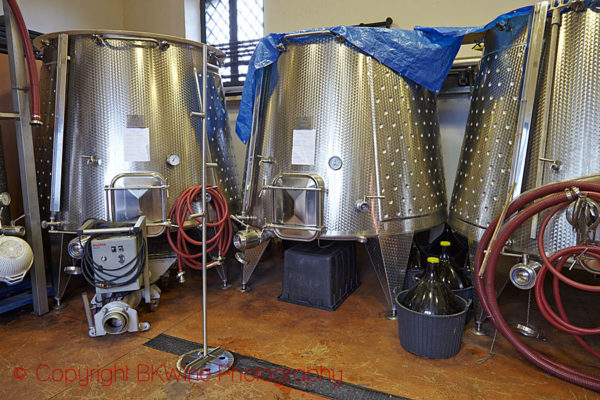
x,y
316,383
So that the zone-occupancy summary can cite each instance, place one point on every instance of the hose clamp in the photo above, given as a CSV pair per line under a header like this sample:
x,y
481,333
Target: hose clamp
x,y
569,194
572,193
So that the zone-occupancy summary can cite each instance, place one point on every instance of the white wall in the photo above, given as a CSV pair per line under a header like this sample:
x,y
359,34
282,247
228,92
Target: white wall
x,y
157,16
291,15
170,17
193,30
56,15
453,111
182,17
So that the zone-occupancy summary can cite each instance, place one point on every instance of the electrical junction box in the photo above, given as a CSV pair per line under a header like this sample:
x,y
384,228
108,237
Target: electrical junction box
x,y
114,256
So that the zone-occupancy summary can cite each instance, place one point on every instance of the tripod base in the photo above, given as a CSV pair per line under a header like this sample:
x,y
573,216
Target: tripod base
x,y
528,331
478,331
244,288
194,366
59,305
392,315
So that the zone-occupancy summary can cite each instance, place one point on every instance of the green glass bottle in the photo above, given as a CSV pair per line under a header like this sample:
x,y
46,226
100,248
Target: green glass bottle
x,y
431,295
414,258
449,271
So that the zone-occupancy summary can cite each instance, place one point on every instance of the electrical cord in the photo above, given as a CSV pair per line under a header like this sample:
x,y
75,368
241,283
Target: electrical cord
x,y
99,277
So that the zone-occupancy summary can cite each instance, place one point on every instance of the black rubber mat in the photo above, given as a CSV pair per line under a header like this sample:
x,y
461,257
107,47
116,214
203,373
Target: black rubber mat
x,y
316,383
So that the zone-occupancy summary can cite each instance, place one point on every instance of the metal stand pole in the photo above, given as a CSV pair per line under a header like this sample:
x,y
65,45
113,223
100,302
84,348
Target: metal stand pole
x,y
20,94
204,81
203,364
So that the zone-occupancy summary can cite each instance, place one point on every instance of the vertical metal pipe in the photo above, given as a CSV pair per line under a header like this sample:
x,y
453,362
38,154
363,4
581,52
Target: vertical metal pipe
x,y
530,77
539,175
20,97
204,82
60,102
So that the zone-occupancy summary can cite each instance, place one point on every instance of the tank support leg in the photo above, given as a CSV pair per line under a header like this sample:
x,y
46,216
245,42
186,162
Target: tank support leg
x,y
249,260
389,256
478,311
222,271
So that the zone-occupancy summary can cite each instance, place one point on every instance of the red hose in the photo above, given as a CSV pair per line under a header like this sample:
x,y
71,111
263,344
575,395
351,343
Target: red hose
x,y
562,322
545,308
486,290
34,84
180,213
561,308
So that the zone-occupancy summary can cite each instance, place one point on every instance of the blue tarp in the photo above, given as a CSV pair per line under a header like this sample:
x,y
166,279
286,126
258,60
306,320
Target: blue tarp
x,y
423,55
460,32
419,56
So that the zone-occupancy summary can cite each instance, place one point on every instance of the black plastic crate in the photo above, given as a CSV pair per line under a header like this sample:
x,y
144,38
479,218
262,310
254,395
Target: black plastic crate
x,y
320,276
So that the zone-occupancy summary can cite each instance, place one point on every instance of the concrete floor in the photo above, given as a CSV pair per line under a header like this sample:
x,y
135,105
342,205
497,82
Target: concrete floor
x,y
354,341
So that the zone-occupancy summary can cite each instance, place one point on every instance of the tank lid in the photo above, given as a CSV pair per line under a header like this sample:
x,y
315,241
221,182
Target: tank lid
x,y
433,260
38,41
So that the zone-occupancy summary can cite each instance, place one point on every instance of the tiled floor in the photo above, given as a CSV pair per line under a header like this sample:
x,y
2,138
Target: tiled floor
x,y
355,341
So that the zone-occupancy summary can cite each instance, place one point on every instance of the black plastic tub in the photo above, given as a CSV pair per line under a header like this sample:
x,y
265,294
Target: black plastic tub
x,y
466,293
430,336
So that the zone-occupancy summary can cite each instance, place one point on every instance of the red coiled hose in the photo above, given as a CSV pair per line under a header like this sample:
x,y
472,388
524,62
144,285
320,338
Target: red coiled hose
x,y
546,197
562,322
180,213
34,85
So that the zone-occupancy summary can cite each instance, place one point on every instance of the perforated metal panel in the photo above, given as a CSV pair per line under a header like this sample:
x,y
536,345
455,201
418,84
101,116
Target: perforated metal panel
x,y
408,147
389,256
382,127
573,135
481,182
107,84
43,137
574,124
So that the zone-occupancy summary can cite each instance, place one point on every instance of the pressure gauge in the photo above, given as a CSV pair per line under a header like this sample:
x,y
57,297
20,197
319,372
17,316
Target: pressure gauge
x,y
4,199
173,160
335,163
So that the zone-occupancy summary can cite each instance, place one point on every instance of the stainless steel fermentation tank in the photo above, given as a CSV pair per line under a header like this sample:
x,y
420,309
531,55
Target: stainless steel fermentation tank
x,y
118,139
528,125
107,96
341,148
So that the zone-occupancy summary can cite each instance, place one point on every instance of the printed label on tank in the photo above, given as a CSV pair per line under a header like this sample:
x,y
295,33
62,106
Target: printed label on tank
x,y
304,122
136,144
303,147
136,121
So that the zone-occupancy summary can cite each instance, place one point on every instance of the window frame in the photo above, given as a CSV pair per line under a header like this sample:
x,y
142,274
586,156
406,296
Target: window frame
x,y
233,48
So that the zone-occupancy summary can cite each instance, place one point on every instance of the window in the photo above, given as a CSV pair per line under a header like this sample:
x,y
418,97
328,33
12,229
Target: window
x,y
234,26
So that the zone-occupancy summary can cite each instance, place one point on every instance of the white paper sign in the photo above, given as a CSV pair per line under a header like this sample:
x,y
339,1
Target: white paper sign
x,y
136,144
304,146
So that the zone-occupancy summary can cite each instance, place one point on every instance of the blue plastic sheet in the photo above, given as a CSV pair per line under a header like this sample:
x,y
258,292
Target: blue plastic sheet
x,y
420,56
519,21
462,31
423,55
